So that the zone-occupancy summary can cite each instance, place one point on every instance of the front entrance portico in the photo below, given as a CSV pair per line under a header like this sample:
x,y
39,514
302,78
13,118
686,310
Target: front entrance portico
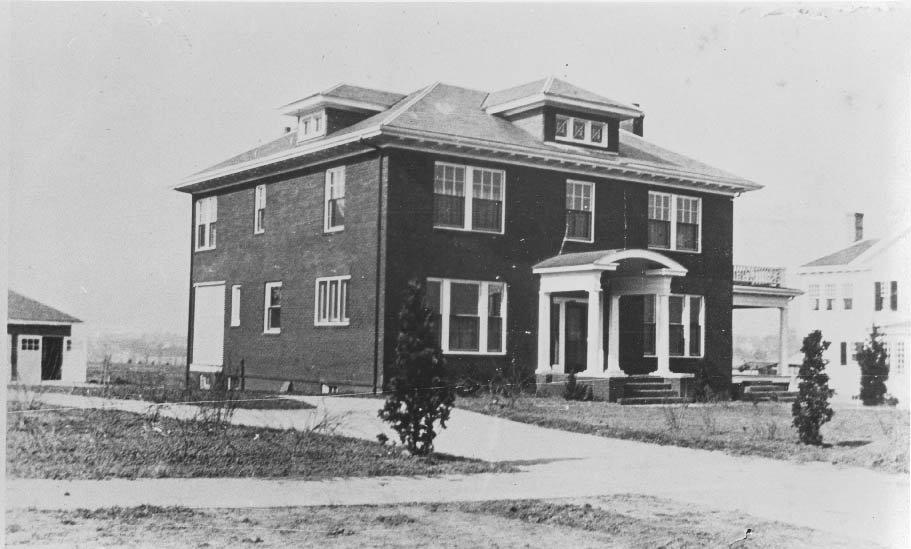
x,y
599,280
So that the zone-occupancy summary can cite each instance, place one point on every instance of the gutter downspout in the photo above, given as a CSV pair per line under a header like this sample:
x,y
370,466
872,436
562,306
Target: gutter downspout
x,y
191,301
379,243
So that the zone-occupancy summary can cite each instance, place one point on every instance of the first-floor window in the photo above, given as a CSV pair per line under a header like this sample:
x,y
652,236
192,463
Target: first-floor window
x,y
272,323
470,316
332,301
898,361
235,305
685,318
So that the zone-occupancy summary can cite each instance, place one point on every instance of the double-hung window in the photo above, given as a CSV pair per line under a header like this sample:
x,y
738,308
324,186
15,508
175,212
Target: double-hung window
x,y
582,131
468,198
206,217
847,295
674,222
334,209
580,209
470,316
331,301
259,210
685,319
272,317
310,126
813,290
830,297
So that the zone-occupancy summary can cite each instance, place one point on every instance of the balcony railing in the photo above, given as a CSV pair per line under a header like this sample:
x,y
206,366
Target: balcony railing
x,y
759,276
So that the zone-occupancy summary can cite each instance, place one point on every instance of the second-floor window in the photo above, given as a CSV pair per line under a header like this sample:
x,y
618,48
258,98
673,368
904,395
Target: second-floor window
x,y
334,214
468,198
884,290
272,321
206,217
580,209
331,301
830,297
813,290
259,210
582,131
674,222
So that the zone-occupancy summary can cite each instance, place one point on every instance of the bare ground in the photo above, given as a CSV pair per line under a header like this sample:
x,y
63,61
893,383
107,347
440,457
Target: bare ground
x,y
628,521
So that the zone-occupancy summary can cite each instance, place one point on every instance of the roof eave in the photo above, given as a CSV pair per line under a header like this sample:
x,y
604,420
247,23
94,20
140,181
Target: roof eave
x,y
317,102
530,102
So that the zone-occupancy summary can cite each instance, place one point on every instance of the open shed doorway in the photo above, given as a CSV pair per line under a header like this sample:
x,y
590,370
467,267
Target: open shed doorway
x,y
51,358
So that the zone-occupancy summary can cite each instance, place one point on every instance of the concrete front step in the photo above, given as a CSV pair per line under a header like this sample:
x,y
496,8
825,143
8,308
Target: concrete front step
x,y
765,389
651,400
780,396
656,393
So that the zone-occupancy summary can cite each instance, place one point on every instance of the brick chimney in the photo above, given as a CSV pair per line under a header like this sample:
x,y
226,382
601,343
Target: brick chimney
x,y
855,223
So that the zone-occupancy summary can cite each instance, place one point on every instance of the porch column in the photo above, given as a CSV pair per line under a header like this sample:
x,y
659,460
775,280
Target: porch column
x,y
783,369
544,365
662,335
613,338
595,366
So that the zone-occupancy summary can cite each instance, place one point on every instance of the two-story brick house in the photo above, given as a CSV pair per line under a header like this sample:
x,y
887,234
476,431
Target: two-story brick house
x,y
546,228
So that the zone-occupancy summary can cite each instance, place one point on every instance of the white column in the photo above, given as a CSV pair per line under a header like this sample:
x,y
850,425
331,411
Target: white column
x,y
613,338
662,335
544,365
595,358
783,341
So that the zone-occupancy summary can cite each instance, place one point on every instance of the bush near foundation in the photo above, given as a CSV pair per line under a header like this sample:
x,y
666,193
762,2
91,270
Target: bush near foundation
x,y
420,393
811,409
874,369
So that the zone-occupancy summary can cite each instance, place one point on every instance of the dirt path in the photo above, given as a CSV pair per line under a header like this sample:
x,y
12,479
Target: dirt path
x,y
851,502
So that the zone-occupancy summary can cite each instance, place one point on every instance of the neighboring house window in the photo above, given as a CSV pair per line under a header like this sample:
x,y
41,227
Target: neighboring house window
x,y
844,353
685,325
899,362
830,297
235,305
31,344
331,301
477,206
470,316
814,296
858,347
580,210
893,296
674,222
272,322
206,216
334,208
580,130
311,125
259,210
847,294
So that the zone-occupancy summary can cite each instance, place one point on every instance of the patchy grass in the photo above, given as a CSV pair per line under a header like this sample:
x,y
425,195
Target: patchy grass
x,y
99,444
622,521
244,400
873,438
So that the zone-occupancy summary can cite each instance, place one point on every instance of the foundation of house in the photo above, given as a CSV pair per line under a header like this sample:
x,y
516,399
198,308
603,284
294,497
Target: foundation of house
x,y
646,389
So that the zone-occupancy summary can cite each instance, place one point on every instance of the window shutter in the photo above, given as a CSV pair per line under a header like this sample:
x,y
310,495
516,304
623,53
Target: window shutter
x,y
878,296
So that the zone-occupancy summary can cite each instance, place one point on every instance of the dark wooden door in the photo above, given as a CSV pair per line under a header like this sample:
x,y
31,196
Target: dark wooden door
x,y
51,357
576,337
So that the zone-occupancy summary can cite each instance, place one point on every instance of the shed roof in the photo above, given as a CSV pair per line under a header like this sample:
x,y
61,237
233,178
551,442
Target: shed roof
x,y
28,310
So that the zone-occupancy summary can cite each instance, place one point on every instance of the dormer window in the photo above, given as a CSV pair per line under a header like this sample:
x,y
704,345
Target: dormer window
x,y
581,131
311,125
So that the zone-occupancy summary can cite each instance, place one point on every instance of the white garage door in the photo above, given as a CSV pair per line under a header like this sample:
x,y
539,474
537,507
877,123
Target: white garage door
x,y
209,327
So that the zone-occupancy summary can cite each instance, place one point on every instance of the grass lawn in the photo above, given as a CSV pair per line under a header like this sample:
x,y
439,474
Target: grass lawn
x,y
873,438
98,444
623,521
245,400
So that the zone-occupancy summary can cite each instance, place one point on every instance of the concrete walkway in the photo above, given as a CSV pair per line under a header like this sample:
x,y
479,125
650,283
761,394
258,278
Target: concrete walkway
x,y
851,502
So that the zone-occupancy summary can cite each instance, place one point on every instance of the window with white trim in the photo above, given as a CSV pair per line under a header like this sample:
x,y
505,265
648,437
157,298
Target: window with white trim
x,y
311,125
580,210
206,217
331,301
470,316
674,222
259,210
686,317
468,198
847,296
235,305
830,297
582,131
334,205
31,344
813,291
272,314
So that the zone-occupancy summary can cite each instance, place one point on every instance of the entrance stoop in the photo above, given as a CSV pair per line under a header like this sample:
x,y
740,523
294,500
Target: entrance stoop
x,y
624,390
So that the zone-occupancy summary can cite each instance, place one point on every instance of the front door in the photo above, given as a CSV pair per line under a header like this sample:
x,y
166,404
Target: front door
x,y
576,336
51,357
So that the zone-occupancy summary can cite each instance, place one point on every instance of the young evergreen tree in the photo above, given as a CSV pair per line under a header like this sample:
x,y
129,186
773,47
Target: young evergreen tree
x,y
811,409
420,394
874,369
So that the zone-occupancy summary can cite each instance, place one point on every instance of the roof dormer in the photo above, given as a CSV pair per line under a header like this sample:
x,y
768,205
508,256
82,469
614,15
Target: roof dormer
x,y
338,107
556,111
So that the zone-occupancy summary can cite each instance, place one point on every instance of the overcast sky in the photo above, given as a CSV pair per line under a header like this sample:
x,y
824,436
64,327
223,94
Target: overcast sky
x,y
112,104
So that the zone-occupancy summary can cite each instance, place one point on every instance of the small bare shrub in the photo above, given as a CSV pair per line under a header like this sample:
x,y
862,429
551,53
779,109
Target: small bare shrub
x,y
709,416
673,416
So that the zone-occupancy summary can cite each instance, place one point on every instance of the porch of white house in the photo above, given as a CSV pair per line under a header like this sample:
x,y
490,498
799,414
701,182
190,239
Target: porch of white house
x,y
580,299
